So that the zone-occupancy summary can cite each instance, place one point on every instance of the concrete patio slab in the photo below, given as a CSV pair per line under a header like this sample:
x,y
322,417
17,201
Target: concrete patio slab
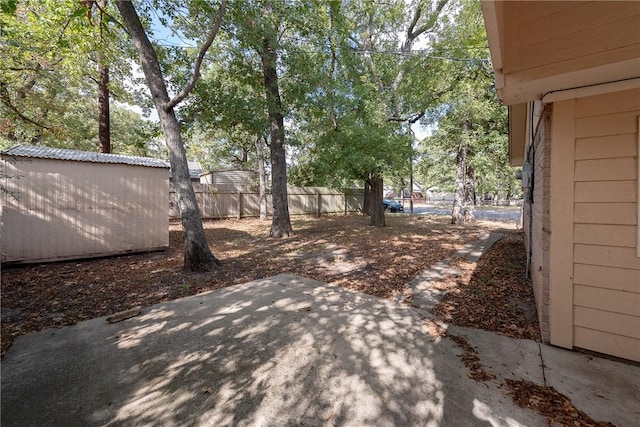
x,y
279,351
604,389
290,351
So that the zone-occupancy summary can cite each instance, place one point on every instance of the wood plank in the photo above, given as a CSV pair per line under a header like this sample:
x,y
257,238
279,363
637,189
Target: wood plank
x,y
621,279
606,191
613,60
567,22
608,256
525,11
612,169
605,235
612,42
607,146
607,343
606,213
561,218
622,302
609,103
613,124
606,321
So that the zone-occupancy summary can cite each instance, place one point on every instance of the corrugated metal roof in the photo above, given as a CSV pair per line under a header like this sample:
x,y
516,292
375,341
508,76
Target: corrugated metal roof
x,y
82,156
195,170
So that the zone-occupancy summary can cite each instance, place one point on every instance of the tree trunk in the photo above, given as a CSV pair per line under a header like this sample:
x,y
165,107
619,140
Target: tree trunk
x,y
262,179
104,120
457,215
366,202
411,178
469,196
197,255
464,196
281,223
376,205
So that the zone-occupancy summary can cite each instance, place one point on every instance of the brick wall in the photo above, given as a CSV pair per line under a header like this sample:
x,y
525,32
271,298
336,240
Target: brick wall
x,y
536,221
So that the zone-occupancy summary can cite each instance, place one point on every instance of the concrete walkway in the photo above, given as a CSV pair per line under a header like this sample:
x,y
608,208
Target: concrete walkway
x,y
290,351
605,390
423,295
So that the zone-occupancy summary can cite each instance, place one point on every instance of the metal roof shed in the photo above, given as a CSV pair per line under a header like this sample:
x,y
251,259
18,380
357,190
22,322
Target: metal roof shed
x,y
65,204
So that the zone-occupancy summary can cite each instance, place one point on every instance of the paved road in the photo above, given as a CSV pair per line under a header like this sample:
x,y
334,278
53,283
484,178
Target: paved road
x,y
506,214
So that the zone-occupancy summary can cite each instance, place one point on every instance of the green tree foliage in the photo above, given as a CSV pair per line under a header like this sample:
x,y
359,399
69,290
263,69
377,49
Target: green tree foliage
x,y
350,78
371,91
264,75
468,151
130,134
48,76
228,109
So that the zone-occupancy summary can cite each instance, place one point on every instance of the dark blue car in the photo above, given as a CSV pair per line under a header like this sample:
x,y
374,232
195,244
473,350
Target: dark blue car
x,y
391,206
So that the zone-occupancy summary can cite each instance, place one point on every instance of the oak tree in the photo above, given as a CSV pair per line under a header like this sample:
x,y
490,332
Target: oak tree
x,y
197,255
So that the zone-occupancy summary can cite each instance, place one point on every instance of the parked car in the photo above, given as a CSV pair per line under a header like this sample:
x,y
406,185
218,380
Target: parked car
x,y
391,206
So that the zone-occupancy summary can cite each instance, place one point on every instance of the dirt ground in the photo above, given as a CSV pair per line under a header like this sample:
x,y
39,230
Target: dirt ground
x,y
343,250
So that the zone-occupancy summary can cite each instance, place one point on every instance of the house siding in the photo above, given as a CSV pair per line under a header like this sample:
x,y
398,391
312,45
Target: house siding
x,y
582,62
72,209
569,36
606,266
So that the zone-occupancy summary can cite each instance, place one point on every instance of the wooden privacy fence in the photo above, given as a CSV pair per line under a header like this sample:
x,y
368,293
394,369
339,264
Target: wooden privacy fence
x,y
230,201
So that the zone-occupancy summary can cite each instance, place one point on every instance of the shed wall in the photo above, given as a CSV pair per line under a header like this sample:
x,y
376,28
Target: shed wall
x,y
66,209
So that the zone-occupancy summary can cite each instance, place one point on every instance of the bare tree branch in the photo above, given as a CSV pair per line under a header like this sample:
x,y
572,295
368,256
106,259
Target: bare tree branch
x,y
411,36
368,48
411,119
103,10
433,18
6,100
414,21
203,50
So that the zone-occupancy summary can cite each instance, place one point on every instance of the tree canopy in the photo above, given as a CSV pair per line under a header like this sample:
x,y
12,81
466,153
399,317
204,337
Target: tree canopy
x,y
49,75
330,89
471,126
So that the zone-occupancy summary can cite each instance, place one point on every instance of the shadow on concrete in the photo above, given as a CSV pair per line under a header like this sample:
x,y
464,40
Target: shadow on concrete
x,y
279,351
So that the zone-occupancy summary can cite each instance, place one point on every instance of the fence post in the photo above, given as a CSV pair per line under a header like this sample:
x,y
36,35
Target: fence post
x,y
317,204
344,193
239,204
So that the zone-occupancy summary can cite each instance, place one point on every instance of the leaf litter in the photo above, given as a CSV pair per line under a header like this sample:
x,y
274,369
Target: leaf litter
x,y
342,250
493,295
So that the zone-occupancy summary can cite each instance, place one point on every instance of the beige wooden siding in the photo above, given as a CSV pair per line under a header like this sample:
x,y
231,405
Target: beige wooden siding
x,y
69,209
568,36
606,291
